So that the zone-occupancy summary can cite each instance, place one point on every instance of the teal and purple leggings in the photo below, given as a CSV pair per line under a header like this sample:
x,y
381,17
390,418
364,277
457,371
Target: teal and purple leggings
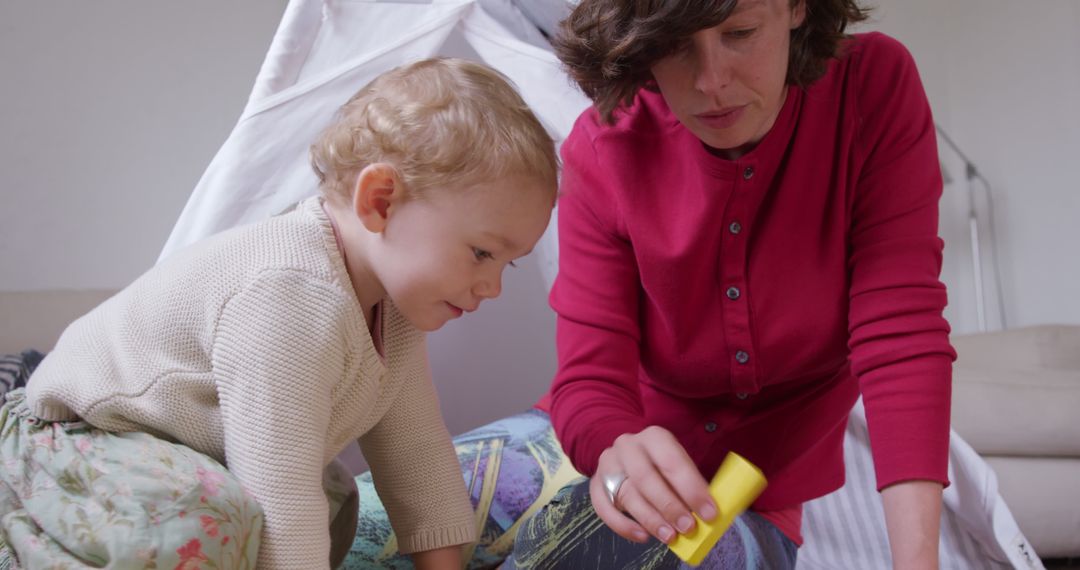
x,y
533,511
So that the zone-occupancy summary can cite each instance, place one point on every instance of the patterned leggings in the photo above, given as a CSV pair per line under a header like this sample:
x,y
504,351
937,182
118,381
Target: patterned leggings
x,y
533,511
74,496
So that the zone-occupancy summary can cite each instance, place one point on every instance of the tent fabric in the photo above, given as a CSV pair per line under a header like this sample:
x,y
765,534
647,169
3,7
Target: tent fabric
x,y
322,53
324,50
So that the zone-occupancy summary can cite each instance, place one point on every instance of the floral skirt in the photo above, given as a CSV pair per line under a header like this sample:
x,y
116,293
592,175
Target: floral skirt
x,y
73,496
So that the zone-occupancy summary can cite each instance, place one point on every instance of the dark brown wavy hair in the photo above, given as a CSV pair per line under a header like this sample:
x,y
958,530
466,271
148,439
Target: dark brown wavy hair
x,y
608,46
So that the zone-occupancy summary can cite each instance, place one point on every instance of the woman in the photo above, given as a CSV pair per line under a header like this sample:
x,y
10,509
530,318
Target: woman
x,y
748,241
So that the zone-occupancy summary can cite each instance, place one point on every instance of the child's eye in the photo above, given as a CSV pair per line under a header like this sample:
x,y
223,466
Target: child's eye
x,y
481,254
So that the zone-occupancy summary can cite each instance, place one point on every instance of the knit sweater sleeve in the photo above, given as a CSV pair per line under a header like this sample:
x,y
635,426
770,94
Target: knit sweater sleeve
x,y
278,352
594,396
898,338
415,468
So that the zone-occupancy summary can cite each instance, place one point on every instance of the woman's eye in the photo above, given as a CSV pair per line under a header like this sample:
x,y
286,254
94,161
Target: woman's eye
x,y
481,254
679,49
740,34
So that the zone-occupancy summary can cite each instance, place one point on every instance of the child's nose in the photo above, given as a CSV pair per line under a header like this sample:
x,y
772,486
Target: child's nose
x,y
489,286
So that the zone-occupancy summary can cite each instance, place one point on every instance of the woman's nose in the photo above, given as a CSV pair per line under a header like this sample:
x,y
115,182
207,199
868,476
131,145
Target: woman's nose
x,y
712,70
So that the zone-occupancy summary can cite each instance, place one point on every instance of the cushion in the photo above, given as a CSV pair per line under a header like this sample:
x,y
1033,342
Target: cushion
x,y
1044,497
1017,392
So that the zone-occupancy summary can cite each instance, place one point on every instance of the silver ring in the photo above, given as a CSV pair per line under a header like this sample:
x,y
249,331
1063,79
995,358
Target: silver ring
x,y
612,484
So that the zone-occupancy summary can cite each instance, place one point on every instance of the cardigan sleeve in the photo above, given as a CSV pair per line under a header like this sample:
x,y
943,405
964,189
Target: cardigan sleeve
x,y
899,342
415,469
278,352
594,396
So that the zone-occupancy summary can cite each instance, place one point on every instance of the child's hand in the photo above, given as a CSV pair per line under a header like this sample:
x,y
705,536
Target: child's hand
x,y
660,489
439,559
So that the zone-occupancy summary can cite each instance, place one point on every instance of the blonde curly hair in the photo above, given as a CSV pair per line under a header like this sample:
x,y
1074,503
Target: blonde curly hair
x,y
439,122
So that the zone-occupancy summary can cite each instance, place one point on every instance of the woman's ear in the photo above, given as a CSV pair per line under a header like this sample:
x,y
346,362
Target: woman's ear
x,y
378,190
798,13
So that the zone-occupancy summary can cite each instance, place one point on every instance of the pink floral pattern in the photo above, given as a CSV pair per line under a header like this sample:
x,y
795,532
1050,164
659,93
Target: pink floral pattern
x,y
211,480
191,555
95,487
209,526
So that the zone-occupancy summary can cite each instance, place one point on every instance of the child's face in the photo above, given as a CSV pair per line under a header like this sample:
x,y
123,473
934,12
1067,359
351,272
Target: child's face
x,y
445,252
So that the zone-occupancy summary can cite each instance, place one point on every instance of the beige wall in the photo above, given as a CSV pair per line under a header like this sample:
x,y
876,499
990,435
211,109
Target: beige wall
x,y
111,110
34,319
1003,79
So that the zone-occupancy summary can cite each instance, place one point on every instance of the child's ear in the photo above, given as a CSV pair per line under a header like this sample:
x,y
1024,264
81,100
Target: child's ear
x,y
378,189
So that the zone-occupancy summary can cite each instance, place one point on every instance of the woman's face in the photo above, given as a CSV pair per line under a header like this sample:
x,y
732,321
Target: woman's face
x,y
727,83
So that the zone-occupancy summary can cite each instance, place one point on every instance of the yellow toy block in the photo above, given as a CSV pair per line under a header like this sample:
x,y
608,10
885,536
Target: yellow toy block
x,y
736,485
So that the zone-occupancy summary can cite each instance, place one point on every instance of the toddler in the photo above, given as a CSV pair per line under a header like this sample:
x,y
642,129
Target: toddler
x,y
194,417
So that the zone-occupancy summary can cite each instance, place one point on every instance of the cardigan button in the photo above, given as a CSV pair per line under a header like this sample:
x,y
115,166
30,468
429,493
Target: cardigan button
x,y
742,357
748,173
733,293
710,426
735,228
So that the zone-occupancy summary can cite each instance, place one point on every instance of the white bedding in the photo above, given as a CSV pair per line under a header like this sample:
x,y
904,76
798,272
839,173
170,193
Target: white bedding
x,y
846,529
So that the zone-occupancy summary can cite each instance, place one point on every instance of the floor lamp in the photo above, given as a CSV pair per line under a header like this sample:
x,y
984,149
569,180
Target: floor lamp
x,y
971,175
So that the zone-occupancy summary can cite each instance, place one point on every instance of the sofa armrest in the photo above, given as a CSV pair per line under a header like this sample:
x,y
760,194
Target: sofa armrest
x,y
1017,392
35,319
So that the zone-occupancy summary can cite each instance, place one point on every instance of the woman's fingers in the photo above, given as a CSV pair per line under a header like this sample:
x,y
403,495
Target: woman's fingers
x,y
637,506
681,474
647,496
663,485
622,525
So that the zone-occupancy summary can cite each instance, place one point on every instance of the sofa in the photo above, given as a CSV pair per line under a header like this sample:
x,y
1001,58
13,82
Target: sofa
x,y
1016,401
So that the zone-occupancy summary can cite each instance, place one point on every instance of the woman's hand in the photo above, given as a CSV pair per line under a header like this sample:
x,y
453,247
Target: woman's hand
x,y
661,488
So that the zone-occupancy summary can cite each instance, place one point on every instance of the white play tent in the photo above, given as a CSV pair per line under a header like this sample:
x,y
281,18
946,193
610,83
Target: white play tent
x,y
324,50
321,54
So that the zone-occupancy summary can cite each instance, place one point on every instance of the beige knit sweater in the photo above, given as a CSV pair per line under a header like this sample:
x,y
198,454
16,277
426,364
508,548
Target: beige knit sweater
x,y
252,348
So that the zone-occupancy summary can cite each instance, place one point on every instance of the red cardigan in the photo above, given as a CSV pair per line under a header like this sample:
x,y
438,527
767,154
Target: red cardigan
x,y
744,305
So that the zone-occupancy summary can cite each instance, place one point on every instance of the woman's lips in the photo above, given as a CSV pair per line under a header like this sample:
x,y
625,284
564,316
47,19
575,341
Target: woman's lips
x,y
721,119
